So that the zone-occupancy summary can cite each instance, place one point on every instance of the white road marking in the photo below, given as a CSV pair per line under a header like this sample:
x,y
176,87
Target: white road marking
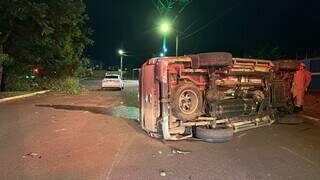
x,y
298,155
310,117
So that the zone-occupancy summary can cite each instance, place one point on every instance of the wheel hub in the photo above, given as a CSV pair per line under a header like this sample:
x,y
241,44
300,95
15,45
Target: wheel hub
x,y
188,101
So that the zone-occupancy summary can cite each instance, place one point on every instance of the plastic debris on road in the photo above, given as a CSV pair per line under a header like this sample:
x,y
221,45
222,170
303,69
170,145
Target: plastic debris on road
x,y
32,155
59,130
179,151
163,173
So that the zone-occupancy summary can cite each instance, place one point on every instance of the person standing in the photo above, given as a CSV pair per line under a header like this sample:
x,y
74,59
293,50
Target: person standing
x,y
301,81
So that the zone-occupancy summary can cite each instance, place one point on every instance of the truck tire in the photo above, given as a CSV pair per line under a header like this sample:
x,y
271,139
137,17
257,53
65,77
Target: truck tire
x,y
216,59
218,135
187,102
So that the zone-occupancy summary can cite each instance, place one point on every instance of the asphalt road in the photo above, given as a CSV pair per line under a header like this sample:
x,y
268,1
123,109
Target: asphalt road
x,y
91,136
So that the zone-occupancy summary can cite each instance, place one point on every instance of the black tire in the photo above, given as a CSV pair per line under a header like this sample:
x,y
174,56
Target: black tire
x,y
216,59
218,135
187,102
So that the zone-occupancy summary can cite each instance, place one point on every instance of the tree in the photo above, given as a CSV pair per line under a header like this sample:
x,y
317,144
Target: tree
x,y
51,34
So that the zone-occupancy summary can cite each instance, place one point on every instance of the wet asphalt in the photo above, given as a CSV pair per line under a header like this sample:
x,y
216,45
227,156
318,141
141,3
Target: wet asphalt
x,y
96,135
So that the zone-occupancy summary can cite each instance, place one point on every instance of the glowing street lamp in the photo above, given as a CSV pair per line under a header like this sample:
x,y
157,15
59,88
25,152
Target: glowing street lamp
x,y
121,53
165,29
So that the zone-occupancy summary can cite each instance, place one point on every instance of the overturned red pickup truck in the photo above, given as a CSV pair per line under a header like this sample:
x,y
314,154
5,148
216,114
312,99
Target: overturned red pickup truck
x,y
212,95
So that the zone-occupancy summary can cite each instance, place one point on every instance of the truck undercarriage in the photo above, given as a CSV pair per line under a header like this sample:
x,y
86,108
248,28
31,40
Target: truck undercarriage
x,y
212,95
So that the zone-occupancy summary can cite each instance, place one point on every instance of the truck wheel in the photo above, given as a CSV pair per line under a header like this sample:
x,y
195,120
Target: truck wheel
x,y
187,102
217,135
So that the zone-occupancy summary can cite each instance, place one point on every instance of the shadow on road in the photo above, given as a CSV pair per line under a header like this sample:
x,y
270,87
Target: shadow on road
x,y
93,109
118,111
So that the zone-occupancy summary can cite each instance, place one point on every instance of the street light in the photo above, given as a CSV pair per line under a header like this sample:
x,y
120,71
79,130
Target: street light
x,y
121,53
164,28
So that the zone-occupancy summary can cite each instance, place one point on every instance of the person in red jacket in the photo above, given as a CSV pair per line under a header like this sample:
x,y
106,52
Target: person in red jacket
x,y
301,81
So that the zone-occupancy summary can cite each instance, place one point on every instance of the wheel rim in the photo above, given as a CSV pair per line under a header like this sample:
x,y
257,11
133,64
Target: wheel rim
x,y
188,101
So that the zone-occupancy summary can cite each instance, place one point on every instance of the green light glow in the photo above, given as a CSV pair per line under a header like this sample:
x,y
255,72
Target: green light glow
x,y
165,28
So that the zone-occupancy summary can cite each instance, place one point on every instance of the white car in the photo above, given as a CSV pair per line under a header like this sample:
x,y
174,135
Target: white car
x,y
112,81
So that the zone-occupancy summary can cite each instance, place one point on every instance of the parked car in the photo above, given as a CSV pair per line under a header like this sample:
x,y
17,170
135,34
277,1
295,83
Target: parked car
x,y
212,95
112,81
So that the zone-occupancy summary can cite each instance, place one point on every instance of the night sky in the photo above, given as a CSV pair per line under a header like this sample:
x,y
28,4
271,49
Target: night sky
x,y
237,26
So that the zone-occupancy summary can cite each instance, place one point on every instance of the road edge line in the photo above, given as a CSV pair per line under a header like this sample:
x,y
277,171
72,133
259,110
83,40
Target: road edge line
x,y
311,118
23,96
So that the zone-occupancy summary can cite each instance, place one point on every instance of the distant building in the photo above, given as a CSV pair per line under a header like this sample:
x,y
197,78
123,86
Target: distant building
x,y
313,65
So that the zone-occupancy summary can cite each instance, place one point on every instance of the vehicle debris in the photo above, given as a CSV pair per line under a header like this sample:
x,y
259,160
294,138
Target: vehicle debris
x,y
163,173
178,151
32,155
59,130
241,135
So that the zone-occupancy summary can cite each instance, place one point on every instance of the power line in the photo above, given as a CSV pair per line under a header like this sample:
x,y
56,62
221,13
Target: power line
x,y
209,23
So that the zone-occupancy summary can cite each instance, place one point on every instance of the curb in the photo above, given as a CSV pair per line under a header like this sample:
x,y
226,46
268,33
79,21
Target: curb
x,y
23,96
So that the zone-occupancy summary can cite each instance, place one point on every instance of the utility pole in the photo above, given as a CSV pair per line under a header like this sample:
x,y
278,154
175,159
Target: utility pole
x,y
165,28
121,57
121,53
177,45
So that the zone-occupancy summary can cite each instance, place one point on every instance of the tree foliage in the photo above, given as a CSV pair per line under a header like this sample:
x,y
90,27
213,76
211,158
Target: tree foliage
x,y
49,34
